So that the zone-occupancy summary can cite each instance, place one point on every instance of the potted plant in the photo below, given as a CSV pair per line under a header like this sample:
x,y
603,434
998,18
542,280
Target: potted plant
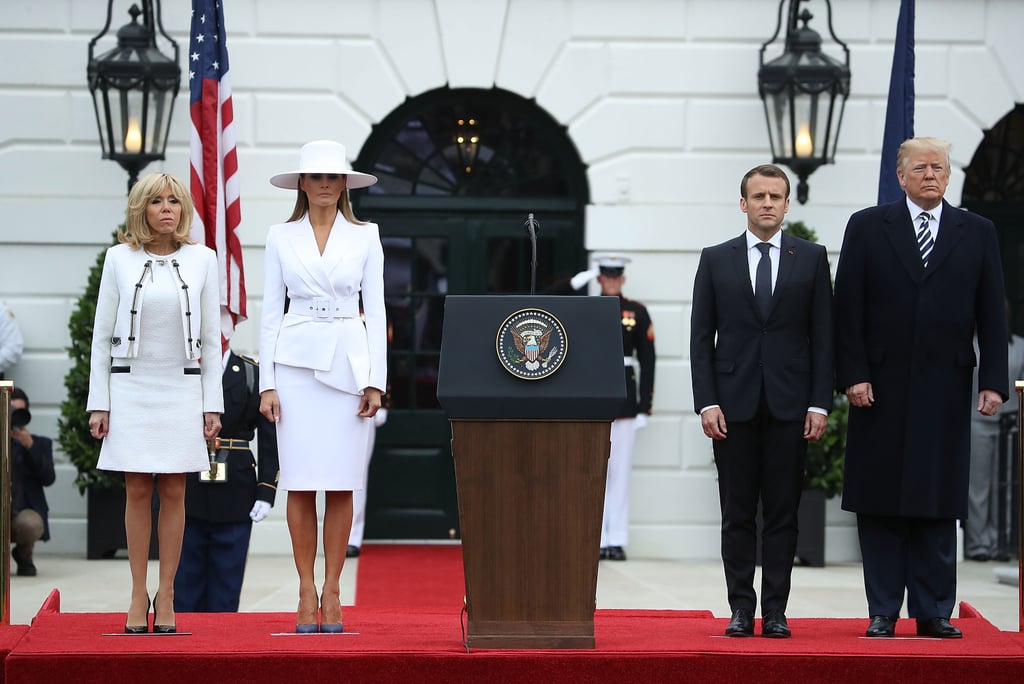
x,y
105,532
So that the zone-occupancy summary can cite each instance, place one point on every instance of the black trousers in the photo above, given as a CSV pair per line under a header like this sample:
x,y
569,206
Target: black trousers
x,y
761,460
916,556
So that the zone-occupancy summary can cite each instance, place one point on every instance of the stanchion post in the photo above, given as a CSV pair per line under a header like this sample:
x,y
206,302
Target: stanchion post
x,y
1019,386
6,386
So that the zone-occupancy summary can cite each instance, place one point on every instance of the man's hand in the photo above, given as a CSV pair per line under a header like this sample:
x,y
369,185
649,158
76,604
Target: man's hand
x,y
23,436
259,511
861,394
713,422
814,426
989,402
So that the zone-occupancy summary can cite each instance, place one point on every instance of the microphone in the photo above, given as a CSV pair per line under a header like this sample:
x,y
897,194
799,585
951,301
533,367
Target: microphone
x,y
531,228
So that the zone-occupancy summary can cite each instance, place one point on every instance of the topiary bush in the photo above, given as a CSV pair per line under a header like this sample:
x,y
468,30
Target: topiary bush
x,y
74,436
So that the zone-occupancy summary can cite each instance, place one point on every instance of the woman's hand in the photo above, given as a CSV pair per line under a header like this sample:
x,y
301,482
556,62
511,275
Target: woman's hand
x,y
270,406
370,402
99,423
211,424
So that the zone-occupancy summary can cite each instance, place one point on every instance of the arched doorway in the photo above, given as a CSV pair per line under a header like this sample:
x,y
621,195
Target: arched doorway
x,y
994,188
460,170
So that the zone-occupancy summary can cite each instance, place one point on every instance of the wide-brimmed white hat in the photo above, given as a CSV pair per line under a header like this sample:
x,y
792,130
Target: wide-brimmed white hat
x,y
323,156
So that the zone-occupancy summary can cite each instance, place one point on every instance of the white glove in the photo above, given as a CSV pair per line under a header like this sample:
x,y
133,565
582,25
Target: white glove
x,y
641,421
581,279
259,511
380,417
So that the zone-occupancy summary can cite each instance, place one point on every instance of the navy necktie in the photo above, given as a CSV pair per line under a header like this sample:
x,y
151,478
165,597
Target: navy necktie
x,y
924,237
763,280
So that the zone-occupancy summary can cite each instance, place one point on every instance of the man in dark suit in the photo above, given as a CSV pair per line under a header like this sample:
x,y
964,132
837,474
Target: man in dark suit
x,y
31,470
222,504
761,362
916,279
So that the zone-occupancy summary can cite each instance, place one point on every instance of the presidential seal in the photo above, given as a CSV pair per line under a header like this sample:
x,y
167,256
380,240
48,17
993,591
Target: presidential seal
x,y
531,344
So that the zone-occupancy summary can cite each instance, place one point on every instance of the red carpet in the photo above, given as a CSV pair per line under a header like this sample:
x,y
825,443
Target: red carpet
x,y
410,575
423,643
416,644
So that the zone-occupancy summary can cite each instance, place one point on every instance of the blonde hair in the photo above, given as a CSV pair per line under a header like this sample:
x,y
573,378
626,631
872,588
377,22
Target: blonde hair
x,y
302,205
136,231
913,146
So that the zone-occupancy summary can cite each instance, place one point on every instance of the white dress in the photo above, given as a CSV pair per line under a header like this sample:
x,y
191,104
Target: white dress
x,y
156,409
319,365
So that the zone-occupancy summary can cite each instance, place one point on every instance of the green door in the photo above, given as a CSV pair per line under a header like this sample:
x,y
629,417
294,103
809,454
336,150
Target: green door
x,y
459,171
411,491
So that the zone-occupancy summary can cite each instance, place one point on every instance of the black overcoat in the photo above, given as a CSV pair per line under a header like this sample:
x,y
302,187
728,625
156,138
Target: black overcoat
x,y
909,331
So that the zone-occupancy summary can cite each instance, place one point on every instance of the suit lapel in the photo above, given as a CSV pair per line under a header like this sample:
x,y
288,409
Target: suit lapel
x,y
789,252
899,231
303,242
742,266
951,231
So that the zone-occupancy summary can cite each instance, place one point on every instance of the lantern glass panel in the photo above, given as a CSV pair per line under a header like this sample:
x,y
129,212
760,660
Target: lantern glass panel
x,y
127,122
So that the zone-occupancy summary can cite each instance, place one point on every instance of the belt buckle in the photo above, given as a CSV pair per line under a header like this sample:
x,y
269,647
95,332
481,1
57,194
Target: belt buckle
x,y
323,308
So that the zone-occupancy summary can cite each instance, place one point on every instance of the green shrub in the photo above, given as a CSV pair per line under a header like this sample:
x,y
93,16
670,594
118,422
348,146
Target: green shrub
x,y
74,435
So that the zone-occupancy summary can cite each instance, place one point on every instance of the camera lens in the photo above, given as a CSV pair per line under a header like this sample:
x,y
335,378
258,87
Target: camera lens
x,y
20,418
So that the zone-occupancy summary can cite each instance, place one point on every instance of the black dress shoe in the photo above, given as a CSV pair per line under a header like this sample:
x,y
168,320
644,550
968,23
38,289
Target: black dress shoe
x,y
938,628
978,557
774,626
352,551
741,624
603,553
881,626
616,553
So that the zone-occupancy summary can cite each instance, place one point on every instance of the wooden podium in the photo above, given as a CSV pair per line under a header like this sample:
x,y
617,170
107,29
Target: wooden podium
x,y
531,457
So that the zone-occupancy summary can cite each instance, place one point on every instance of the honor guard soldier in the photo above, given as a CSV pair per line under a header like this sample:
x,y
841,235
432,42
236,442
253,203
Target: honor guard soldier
x,y
638,348
222,503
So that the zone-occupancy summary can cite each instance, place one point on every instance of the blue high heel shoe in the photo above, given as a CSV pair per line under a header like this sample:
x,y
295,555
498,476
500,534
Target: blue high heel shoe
x,y
305,628
330,627
139,629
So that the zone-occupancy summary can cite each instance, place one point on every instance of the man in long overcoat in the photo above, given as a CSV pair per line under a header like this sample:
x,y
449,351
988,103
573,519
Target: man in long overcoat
x,y
915,280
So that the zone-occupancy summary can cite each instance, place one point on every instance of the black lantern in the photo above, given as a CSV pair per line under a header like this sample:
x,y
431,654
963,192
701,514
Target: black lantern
x,y
467,142
133,88
804,92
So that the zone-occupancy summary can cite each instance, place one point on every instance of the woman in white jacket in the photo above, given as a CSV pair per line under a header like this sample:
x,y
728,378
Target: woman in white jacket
x,y
323,369
155,377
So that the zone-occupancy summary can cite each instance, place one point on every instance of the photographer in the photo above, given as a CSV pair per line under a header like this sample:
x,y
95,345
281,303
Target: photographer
x,y
31,470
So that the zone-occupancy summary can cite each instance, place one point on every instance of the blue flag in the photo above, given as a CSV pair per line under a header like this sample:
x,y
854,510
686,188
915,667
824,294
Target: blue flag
x,y
899,112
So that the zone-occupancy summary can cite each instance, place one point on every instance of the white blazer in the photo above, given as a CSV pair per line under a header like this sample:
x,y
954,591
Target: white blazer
x,y
322,329
115,329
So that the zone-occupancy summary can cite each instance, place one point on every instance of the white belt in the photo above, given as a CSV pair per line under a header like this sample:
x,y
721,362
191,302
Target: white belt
x,y
324,308
628,360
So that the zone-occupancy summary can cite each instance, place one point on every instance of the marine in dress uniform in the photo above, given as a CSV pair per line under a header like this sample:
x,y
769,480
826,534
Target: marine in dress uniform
x,y
221,504
638,350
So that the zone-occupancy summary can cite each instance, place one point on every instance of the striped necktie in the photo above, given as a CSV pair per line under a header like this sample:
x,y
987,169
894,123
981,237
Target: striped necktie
x,y
924,237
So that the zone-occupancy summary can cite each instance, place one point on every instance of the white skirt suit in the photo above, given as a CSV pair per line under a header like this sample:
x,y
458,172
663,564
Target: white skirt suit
x,y
155,316
320,355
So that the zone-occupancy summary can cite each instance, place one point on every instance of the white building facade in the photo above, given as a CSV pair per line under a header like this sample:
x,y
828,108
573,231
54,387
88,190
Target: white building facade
x,y
659,98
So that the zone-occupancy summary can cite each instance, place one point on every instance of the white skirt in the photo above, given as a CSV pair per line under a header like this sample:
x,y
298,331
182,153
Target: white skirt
x,y
321,442
156,420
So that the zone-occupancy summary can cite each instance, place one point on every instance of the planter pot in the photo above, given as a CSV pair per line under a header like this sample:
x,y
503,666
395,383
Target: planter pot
x,y
105,534
810,541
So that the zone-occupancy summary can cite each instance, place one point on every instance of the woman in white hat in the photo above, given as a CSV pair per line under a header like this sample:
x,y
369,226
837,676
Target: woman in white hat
x,y
323,367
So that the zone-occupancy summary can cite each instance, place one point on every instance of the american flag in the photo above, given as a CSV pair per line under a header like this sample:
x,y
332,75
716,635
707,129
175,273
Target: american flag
x,y
213,158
